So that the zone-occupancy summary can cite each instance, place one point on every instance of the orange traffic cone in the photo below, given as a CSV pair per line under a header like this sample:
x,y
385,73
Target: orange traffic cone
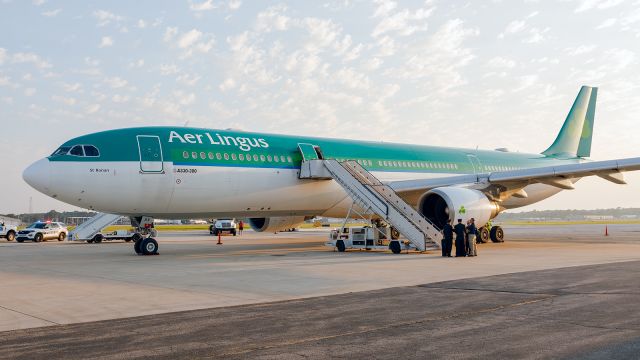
x,y
606,230
219,239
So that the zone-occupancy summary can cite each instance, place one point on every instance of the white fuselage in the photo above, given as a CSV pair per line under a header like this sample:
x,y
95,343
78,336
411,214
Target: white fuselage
x,y
214,191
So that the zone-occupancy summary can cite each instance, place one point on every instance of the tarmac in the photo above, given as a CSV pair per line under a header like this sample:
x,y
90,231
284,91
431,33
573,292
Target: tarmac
x,y
539,295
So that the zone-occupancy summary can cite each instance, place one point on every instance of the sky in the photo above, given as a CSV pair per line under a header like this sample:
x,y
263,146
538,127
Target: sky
x,y
484,74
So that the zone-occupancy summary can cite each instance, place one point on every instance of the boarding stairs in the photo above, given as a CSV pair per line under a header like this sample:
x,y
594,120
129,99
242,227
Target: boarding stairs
x,y
88,229
373,196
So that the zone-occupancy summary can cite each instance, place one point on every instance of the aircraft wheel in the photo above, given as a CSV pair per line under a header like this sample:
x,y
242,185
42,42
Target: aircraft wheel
x,y
483,235
98,238
62,236
395,247
149,246
340,246
137,245
497,234
11,235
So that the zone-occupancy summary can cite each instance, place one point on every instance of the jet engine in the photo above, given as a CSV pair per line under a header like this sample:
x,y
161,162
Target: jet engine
x,y
441,204
276,223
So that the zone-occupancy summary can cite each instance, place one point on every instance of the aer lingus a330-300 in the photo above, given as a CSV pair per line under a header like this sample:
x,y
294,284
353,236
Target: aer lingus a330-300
x,y
277,181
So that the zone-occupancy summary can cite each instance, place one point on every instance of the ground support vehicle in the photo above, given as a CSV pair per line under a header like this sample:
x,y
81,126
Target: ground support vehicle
x,y
223,226
126,235
368,238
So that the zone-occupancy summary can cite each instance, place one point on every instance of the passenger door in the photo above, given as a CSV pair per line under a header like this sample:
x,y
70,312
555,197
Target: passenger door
x,y
150,150
309,152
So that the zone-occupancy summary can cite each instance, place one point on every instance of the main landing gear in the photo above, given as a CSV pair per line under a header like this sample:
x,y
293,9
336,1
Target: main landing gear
x,y
146,246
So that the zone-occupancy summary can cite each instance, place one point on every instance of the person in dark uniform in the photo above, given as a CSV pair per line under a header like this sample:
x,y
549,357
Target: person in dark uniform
x,y
447,239
460,231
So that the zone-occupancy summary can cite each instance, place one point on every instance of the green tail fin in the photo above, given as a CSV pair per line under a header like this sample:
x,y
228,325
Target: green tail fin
x,y
575,136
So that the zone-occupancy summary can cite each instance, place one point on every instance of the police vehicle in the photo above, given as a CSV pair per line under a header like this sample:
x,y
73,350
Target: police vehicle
x,y
43,231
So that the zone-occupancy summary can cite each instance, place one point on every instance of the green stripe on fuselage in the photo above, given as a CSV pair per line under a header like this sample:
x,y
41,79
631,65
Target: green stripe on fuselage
x,y
122,145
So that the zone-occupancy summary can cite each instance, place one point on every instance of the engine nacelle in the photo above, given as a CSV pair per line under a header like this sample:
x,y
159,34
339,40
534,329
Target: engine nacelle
x,y
441,204
276,223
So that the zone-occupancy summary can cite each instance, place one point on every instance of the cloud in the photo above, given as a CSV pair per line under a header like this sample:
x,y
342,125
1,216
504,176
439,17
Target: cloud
x,y
105,17
189,38
234,4
404,22
607,23
106,41
141,24
39,2
580,50
65,100
190,42
203,6
91,109
166,69
3,55
52,13
72,87
29,91
597,4
115,82
32,58
273,19
501,63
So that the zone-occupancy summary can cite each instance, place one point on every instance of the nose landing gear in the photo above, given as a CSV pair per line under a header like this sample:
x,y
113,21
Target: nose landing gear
x,y
144,245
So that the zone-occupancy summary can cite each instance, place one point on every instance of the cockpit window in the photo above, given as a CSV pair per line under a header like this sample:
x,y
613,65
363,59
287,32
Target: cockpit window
x,y
76,151
90,150
61,151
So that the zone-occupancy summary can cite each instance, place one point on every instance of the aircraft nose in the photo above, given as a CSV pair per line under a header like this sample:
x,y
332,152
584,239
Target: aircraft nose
x,y
38,175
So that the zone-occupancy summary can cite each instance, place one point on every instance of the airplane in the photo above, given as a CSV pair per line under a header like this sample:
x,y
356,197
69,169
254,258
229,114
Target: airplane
x,y
183,172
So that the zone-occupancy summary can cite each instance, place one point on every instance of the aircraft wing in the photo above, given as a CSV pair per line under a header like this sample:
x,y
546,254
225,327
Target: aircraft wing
x,y
503,184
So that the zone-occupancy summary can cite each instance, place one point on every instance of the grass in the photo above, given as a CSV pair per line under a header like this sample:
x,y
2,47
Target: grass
x,y
571,222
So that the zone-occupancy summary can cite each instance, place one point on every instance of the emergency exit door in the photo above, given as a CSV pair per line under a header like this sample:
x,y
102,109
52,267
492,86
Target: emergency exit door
x,y
475,163
150,150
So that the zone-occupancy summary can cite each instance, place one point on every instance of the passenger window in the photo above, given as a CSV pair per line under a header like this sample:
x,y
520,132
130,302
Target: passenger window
x,y
282,158
276,158
262,158
203,155
90,150
194,155
234,157
185,154
241,156
218,156
289,159
76,151
255,157
226,156
269,158
248,157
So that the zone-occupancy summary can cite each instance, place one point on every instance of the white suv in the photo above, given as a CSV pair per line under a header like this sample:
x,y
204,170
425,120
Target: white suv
x,y
7,231
43,231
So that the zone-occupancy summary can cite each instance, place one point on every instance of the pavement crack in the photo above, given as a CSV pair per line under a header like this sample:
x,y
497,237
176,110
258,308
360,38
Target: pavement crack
x,y
29,315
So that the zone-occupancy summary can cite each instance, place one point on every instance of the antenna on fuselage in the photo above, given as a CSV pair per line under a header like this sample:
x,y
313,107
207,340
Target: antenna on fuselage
x,y
186,123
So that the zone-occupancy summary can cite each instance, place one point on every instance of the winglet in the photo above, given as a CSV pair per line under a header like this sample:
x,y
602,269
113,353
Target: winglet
x,y
575,136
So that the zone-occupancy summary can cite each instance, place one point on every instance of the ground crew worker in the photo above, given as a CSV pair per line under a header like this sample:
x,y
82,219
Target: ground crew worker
x,y
240,227
473,232
447,239
460,243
